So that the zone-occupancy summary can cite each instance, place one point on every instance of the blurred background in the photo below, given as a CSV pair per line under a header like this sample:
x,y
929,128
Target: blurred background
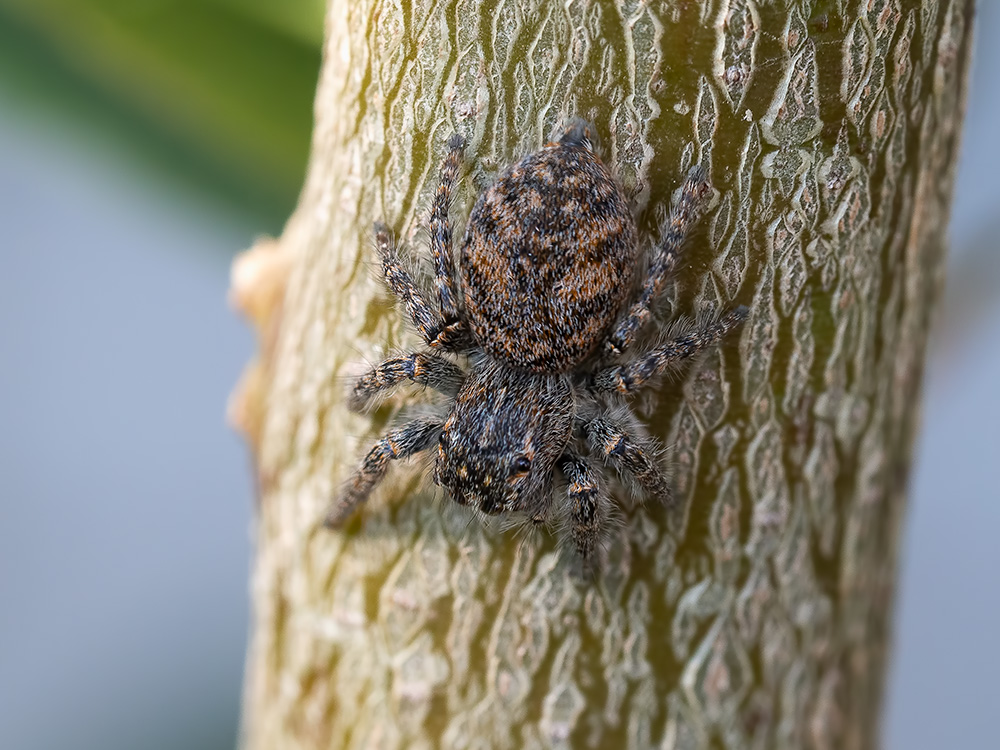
x,y
142,144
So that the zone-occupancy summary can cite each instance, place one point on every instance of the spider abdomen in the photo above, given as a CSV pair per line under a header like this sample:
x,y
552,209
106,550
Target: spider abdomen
x,y
548,260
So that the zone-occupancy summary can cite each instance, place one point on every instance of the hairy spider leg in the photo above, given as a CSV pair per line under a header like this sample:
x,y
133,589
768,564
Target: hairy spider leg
x,y
423,368
584,490
682,216
427,320
642,371
613,443
441,247
412,437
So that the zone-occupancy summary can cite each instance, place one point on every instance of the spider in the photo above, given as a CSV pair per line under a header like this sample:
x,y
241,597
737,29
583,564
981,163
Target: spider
x,y
539,309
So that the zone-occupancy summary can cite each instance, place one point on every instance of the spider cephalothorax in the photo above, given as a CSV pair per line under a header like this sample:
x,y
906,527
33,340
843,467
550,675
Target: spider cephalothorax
x,y
547,268
499,445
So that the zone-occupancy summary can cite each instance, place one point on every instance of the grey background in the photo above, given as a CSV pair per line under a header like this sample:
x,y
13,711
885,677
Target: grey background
x,y
125,506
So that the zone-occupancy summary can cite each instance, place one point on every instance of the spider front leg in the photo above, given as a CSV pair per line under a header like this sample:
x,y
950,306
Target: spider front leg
x,y
441,246
422,368
584,491
436,332
412,437
683,215
632,376
628,456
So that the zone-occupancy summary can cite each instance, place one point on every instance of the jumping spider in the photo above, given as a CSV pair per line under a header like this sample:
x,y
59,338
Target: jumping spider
x,y
547,265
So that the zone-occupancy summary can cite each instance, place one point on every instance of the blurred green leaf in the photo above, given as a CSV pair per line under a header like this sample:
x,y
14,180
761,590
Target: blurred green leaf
x,y
231,82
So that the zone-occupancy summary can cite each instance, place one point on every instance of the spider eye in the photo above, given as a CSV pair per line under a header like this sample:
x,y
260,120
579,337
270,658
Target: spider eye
x,y
522,464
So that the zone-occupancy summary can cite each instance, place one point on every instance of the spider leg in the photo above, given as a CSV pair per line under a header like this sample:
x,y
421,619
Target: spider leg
x,y
423,368
632,376
441,247
412,437
585,499
683,215
436,332
628,456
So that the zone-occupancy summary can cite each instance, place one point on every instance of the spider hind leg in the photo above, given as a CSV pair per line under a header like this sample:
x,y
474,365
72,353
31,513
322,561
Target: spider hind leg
x,y
441,245
447,335
683,215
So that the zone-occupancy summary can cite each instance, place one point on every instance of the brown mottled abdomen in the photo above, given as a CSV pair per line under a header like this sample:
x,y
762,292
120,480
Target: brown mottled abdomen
x,y
548,259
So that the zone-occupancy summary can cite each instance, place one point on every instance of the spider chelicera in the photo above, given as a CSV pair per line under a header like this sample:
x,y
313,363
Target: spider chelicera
x,y
542,311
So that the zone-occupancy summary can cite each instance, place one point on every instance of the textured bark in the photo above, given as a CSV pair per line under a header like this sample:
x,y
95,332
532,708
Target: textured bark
x,y
759,616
